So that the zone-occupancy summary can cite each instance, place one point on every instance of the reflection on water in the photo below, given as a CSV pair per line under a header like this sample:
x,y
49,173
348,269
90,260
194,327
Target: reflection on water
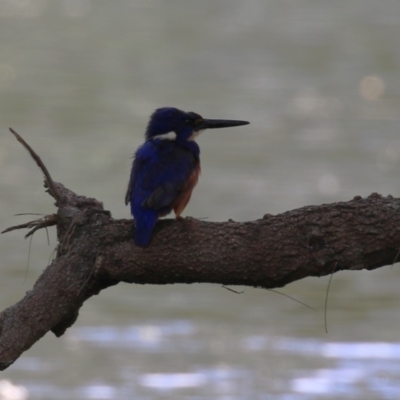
x,y
9,391
149,337
319,82
334,370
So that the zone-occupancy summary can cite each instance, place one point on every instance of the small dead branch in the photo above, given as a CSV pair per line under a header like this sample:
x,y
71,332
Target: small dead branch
x,y
46,221
48,179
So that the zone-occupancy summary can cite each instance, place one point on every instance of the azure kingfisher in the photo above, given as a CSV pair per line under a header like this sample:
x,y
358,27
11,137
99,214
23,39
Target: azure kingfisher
x,y
166,167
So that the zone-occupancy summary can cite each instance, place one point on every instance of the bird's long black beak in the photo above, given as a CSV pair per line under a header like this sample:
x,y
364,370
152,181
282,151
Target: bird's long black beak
x,y
219,123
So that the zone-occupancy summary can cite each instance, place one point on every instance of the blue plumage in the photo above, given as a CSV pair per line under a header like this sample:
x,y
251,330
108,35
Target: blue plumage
x,y
166,167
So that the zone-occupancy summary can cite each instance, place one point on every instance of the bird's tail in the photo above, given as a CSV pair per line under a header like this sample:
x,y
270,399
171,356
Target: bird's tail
x,y
144,226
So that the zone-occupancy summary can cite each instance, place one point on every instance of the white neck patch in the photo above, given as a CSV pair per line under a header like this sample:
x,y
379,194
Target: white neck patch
x,y
195,134
165,136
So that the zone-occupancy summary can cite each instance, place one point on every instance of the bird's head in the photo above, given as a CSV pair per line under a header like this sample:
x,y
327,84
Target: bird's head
x,y
169,123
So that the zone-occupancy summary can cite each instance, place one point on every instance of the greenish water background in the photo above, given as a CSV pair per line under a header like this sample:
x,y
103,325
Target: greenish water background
x,y
319,82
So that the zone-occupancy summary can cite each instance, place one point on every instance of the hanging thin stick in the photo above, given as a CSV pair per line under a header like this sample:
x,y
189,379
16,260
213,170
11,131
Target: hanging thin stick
x,y
326,298
29,256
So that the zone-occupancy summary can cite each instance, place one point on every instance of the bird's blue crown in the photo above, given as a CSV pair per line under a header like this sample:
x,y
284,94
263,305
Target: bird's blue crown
x,y
169,119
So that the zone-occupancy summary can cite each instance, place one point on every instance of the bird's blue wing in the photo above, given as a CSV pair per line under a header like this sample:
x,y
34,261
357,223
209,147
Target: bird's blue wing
x,y
159,171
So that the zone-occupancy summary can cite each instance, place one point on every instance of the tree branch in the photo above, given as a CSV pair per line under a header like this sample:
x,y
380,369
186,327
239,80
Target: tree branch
x,y
96,251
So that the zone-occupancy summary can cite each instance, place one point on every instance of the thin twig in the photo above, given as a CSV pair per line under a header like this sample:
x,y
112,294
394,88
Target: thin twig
x,y
396,258
29,256
326,298
21,226
32,231
68,235
232,290
275,291
48,220
47,235
52,255
19,214
294,299
96,265
49,181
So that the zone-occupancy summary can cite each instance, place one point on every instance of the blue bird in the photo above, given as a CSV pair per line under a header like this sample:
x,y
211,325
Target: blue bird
x,y
166,167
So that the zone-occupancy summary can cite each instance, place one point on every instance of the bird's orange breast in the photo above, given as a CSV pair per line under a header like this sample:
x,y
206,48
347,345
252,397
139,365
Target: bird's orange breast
x,y
183,197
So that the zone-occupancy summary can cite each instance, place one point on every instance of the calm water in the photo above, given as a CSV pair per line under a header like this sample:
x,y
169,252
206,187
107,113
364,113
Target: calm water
x,y
319,82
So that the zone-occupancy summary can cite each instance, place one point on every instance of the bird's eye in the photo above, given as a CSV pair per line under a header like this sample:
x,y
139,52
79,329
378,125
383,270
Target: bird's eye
x,y
188,121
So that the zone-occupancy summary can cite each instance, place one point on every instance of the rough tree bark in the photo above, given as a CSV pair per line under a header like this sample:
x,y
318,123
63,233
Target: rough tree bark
x,y
96,251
